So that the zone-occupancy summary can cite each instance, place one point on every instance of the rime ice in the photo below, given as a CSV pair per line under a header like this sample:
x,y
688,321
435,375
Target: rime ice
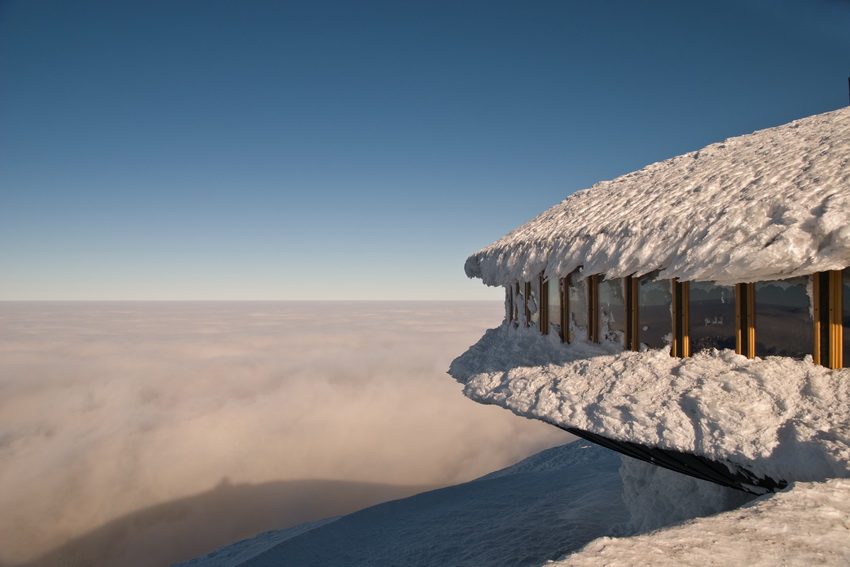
x,y
769,205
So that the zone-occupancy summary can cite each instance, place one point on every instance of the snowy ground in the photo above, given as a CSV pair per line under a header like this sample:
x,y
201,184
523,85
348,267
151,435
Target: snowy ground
x,y
573,505
524,515
807,524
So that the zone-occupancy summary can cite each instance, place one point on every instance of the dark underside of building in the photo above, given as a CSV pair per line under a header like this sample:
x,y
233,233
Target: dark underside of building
x,y
731,475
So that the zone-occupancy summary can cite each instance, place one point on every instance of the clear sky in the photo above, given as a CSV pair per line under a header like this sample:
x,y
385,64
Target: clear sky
x,y
211,149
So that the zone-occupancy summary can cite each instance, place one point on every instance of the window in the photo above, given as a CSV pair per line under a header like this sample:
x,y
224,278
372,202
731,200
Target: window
x,y
514,303
783,320
612,310
577,306
553,301
795,317
711,316
532,304
519,305
654,321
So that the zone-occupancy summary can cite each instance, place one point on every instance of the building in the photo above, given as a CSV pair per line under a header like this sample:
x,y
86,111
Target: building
x,y
743,247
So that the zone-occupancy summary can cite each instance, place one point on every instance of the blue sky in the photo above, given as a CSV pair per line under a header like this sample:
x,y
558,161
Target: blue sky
x,y
209,149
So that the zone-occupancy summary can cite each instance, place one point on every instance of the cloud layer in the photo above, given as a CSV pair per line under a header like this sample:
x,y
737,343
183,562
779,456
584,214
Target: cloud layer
x,y
109,409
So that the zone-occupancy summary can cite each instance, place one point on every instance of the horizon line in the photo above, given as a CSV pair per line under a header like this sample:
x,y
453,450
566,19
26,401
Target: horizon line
x,y
223,300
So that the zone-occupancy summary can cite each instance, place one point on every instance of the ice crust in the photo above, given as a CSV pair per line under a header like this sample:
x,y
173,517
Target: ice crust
x,y
778,417
768,205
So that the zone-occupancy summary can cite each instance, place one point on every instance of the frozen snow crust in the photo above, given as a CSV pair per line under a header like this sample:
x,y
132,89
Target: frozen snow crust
x,y
777,417
768,205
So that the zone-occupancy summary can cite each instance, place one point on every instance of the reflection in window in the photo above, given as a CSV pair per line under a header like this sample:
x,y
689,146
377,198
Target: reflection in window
x,y
612,310
533,303
577,304
519,304
784,325
553,294
845,298
655,323
711,316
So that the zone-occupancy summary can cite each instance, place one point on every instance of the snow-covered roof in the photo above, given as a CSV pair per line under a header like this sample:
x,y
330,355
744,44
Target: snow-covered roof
x,y
768,205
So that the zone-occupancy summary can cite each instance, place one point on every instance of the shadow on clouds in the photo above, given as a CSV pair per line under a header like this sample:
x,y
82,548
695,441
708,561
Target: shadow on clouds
x,y
112,412
191,526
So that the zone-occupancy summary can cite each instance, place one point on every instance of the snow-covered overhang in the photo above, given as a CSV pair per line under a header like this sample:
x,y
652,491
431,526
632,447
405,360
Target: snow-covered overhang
x,y
768,205
775,417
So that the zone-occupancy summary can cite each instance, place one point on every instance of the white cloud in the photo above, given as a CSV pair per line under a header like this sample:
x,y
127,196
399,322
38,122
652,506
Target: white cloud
x,y
109,409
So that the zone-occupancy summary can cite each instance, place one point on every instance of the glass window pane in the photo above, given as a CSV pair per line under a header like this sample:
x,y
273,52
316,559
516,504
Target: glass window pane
x,y
577,299
783,318
554,297
519,303
533,303
612,310
655,321
846,317
711,316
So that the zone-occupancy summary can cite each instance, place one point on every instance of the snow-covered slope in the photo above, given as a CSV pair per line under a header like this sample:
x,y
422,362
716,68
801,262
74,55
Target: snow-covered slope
x,y
769,205
571,505
807,524
542,508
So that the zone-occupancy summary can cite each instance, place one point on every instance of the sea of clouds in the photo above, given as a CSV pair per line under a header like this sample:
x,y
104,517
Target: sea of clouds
x,y
142,433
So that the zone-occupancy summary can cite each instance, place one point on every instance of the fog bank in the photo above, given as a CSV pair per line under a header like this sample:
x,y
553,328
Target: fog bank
x,y
108,409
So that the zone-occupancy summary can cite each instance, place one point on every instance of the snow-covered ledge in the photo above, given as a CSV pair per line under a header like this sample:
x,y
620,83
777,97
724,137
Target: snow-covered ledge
x,y
777,417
